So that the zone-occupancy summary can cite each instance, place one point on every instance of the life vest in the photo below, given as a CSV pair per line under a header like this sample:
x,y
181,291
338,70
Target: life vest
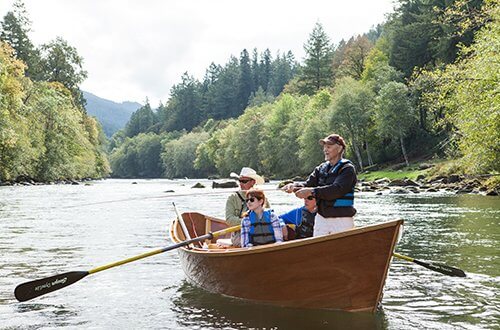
x,y
328,173
306,227
261,230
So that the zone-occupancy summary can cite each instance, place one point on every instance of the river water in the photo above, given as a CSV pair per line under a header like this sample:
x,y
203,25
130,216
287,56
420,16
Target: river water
x,y
51,229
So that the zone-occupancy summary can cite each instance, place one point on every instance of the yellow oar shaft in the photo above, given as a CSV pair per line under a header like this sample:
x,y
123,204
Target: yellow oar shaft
x,y
400,256
226,231
152,253
36,288
125,261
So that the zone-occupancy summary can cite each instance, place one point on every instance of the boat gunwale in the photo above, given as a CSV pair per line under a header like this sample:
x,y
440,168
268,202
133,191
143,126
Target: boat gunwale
x,y
278,246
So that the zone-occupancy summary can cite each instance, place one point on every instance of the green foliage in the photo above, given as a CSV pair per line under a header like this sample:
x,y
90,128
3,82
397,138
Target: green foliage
x,y
392,175
394,114
60,62
372,107
68,149
469,93
259,98
377,70
214,152
141,121
226,90
14,30
278,147
268,138
43,134
352,113
354,57
179,155
14,126
313,127
284,69
138,157
393,110
428,32
246,84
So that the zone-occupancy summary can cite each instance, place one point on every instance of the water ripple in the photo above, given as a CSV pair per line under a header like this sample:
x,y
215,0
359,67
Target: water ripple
x,y
46,230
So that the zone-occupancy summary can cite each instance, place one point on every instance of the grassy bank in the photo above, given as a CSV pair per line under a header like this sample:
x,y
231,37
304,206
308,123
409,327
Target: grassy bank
x,y
392,174
436,168
417,168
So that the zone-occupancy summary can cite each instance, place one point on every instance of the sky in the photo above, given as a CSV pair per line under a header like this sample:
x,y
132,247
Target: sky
x,y
137,50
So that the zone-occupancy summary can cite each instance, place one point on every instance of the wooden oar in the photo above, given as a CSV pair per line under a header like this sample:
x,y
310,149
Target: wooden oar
x,y
440,268
181,221
33,289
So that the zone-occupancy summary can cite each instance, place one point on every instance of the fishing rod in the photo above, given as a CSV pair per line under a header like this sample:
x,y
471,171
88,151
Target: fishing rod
x,y
173,194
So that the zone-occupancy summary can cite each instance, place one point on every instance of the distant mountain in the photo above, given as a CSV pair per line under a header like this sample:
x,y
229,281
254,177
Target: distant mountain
x,y
113,116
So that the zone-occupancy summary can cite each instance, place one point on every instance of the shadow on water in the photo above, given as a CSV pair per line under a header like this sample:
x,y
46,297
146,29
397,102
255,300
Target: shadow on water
x,y
198,308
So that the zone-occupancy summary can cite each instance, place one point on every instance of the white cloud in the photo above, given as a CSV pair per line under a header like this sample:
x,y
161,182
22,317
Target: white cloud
x,y
138,49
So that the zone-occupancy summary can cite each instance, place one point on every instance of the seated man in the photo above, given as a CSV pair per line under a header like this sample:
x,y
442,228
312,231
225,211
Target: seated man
x,y
302,218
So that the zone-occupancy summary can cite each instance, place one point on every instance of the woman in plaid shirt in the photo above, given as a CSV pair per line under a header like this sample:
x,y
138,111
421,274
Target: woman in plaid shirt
x,y
260,226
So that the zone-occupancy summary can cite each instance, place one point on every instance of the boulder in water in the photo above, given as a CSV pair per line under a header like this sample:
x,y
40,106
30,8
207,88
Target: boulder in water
x,y
224,184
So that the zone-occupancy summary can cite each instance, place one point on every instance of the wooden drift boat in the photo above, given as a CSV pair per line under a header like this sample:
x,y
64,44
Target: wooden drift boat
x,y
344,271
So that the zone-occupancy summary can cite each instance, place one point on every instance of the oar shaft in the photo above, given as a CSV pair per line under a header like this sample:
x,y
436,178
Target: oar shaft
x,y
400,256
181,221
440,268
126,261
165,249
36,288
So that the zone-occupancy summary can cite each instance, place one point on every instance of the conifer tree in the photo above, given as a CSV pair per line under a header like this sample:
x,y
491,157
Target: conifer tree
x,y
317,71
246,87
14,30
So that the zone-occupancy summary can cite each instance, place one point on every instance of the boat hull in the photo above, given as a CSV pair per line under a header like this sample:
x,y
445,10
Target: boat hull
x,y
344,271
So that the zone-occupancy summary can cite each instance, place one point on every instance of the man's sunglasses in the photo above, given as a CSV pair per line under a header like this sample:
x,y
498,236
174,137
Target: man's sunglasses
x,y
310,198
244,181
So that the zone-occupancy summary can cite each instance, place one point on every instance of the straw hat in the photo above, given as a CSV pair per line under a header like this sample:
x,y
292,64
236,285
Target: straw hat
x,y
247,172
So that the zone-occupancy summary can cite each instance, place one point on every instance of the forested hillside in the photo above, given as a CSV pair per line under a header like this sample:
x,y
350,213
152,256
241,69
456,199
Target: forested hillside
x,y
45,133
422,84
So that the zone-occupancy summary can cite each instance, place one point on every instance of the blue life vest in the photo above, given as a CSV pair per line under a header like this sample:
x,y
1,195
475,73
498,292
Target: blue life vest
x,y
261,230
327,173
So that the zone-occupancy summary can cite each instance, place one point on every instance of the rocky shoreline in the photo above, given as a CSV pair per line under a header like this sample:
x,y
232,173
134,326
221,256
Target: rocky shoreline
x,y
457,184
32,182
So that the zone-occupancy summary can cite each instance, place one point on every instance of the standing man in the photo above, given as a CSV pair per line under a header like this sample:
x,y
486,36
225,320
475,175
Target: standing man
x,y
332,184
236,205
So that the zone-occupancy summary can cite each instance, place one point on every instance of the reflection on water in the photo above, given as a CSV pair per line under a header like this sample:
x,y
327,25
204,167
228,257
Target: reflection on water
x,y
196,307
46,230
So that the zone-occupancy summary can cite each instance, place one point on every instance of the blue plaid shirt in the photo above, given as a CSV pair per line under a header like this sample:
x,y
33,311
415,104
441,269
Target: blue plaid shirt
x,y
276,222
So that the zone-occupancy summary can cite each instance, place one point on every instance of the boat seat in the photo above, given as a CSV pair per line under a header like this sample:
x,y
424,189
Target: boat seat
x,y
222,244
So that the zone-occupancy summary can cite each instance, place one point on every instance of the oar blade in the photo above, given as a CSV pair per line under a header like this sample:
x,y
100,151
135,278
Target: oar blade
x,y
29,290
443,269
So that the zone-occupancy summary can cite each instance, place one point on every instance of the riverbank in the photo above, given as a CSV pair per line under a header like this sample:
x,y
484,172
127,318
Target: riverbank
x,y
31,182
428,177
